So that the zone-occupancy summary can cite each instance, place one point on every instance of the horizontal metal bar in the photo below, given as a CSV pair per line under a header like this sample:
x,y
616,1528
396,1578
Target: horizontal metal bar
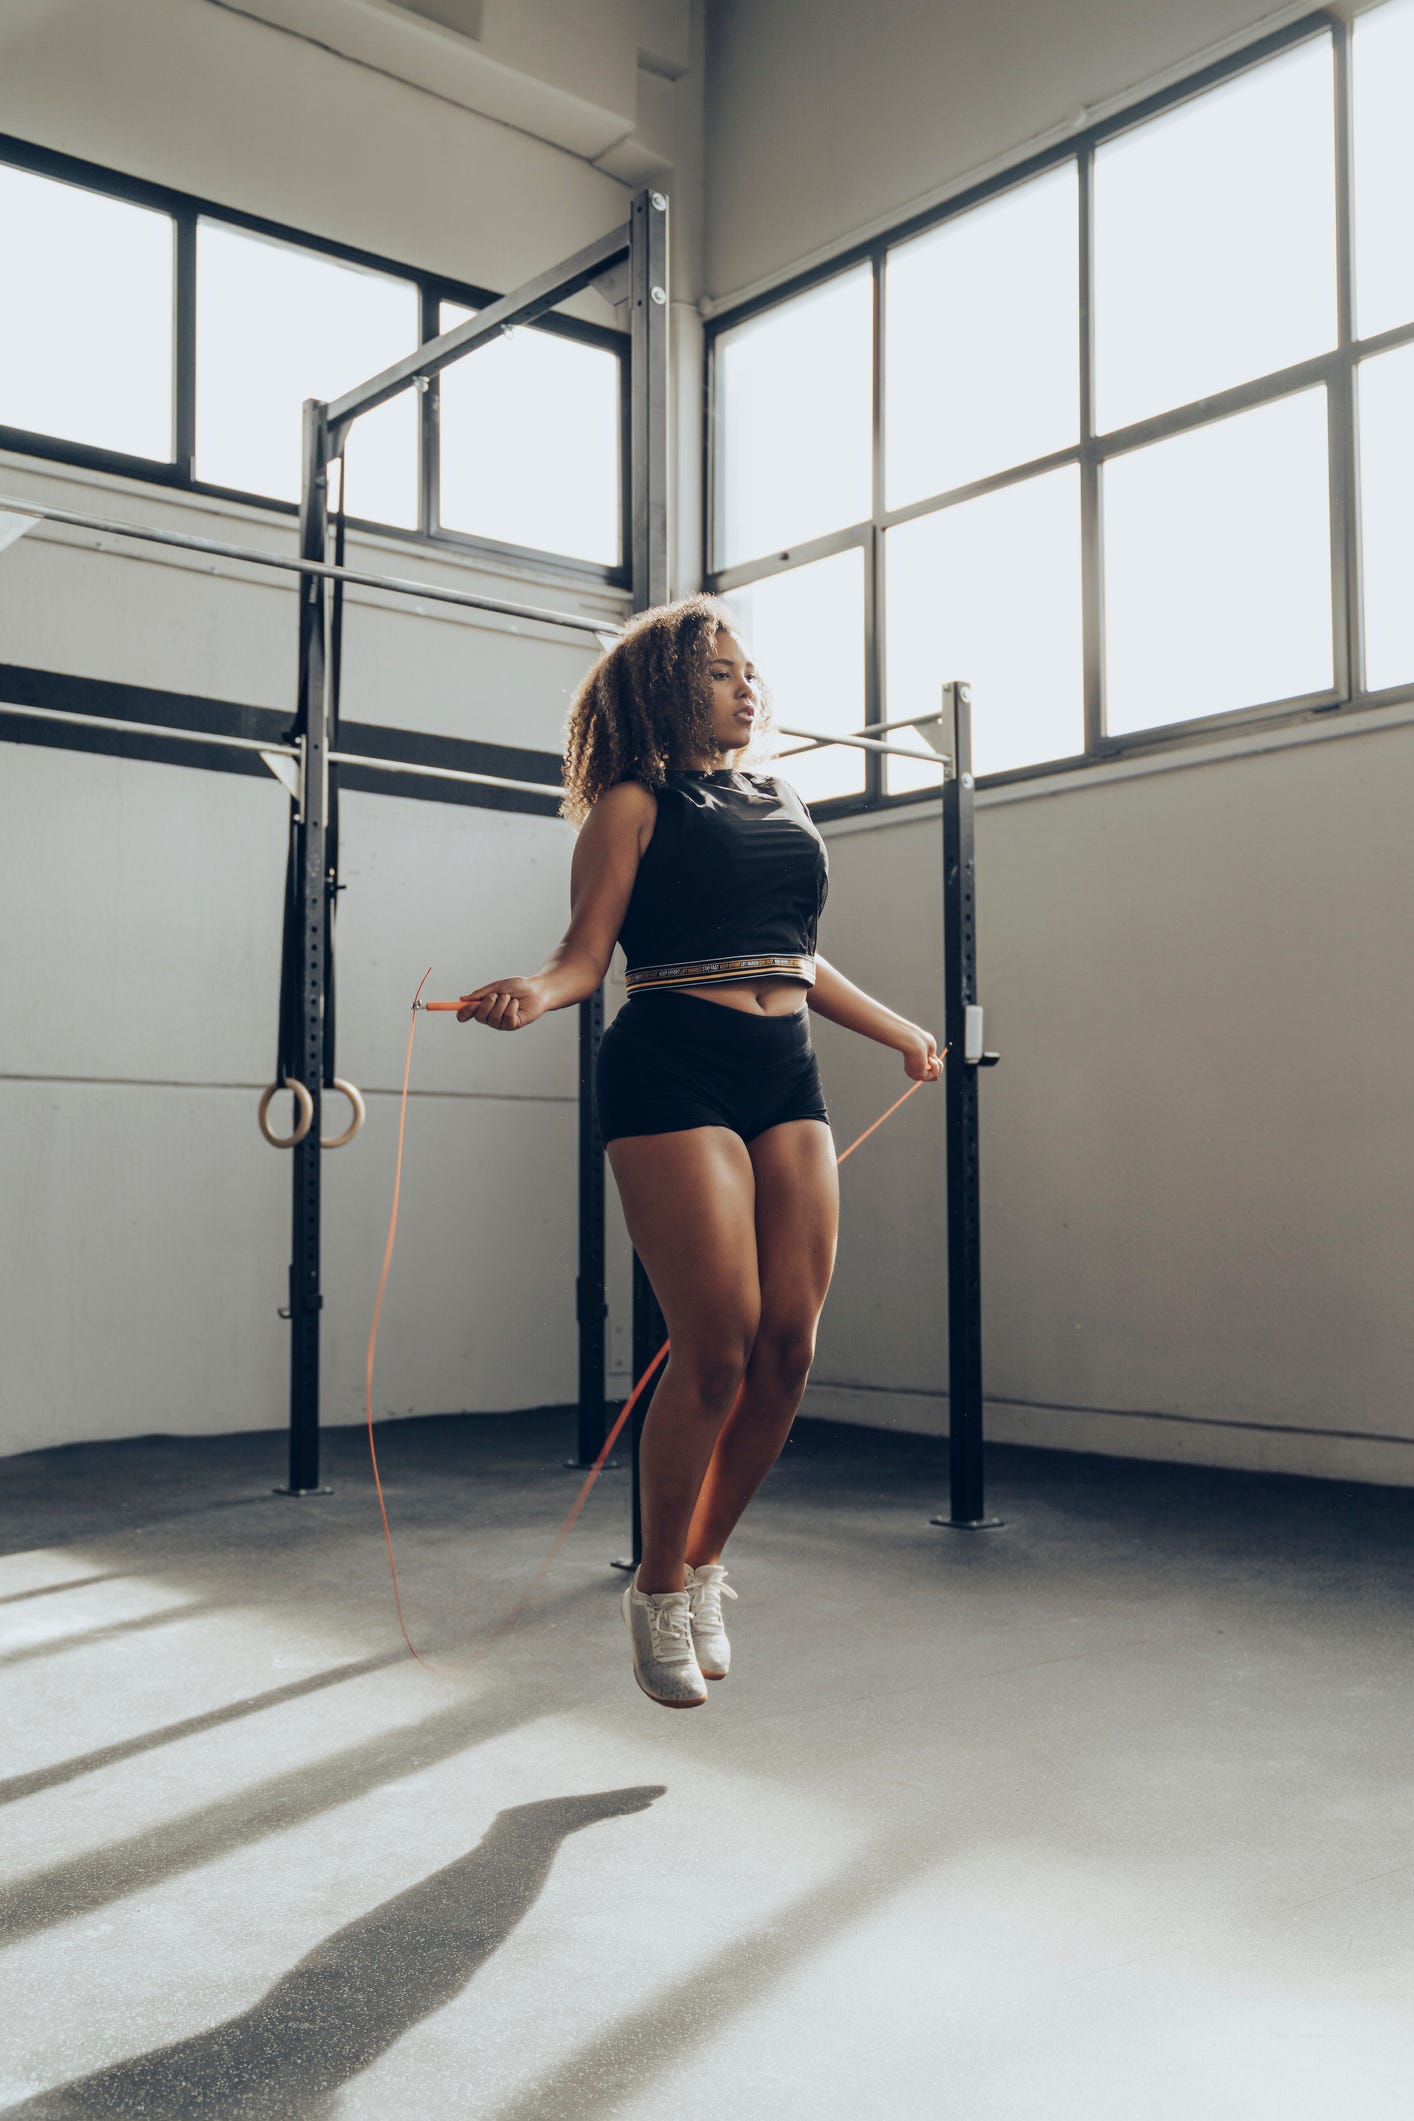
x,y
149,534
442,773
521,306
860,743
289,751
162,729
912,721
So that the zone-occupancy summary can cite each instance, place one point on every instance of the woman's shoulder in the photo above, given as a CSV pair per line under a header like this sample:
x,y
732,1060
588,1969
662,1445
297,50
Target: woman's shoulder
x,y
627,811
631,797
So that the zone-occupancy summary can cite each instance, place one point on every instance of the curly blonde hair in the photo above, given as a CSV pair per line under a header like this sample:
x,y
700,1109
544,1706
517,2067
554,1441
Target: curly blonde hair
x,y
645,708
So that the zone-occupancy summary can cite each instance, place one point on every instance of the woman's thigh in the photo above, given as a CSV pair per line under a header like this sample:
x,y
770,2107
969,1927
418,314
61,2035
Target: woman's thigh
x,y
689,1202
797,1225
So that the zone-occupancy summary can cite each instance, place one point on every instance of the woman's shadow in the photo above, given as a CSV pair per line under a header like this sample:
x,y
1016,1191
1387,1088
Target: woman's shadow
x,y
348,2000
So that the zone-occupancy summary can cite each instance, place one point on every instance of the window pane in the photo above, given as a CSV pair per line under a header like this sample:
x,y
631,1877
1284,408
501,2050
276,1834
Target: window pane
x,y
795,419
106,381
1386,387
275,325
983,340
1217,572
531,449
805,630
1383,75
989,591
1215,239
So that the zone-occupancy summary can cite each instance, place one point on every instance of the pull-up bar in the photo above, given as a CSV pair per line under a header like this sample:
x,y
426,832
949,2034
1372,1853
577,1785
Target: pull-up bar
x,y
861,743
252,556
520,307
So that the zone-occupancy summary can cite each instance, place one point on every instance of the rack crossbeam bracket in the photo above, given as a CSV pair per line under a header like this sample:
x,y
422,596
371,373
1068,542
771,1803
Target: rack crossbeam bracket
x,y
290,772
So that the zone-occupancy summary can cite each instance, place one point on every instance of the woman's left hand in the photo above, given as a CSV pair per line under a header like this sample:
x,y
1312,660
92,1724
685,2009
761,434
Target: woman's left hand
x,y
921,1058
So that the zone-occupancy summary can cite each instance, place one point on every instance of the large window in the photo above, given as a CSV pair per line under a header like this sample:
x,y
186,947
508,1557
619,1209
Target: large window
x,y
806,627
1107,437
155,336
982,313
275,325
793,418
530,442
1214,239
86,352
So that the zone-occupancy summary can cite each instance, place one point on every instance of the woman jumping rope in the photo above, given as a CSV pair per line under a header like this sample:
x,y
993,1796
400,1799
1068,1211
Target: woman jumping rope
x,y
707,1089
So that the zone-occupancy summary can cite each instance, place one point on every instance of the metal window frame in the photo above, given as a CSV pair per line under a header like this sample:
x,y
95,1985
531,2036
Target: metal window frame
x,y
187,210
1335,371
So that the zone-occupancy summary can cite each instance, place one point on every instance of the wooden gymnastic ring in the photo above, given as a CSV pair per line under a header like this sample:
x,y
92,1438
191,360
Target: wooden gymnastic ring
x,y
360,1114
305,1103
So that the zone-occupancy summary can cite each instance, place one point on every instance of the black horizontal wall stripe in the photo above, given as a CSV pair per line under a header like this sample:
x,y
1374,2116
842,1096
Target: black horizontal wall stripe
x,y
25,687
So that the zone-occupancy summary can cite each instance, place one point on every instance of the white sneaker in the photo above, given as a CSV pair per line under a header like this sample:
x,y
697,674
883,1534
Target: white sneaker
x,y
659,1625
707,1587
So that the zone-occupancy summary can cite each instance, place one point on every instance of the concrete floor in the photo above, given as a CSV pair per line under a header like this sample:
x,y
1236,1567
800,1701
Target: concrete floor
x,y
1106,1813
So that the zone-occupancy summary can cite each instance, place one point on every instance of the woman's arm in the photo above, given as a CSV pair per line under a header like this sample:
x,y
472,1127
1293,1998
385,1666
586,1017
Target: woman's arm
x,y
843,1003
602,873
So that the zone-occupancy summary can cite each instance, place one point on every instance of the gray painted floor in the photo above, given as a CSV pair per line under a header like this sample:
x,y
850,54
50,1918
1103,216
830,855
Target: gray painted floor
x,y
1106,1813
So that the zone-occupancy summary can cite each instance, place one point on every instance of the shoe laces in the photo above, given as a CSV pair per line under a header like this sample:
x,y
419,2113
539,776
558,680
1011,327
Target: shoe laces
x,y
707,1601
669,1622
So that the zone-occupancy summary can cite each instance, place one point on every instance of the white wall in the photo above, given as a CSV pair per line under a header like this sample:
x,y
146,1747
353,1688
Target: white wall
x,y
1196,1172
1196,1169
145,1247
827,121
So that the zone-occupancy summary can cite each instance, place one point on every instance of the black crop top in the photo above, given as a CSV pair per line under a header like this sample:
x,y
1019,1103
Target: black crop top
x,y
730,887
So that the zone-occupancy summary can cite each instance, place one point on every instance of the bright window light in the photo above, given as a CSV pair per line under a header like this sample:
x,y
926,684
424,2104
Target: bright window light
x,y
1217,568
794,410
531,443
103,377
982,338
1215,239
1386,388
1383,70
276,324
804,629
989,591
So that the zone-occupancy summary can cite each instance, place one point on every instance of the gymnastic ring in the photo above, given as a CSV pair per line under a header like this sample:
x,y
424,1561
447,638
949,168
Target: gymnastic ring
x,y
360,1114
305,1103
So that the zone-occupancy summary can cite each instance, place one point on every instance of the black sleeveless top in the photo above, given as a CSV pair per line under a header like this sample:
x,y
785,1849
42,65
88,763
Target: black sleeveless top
x,y
730,887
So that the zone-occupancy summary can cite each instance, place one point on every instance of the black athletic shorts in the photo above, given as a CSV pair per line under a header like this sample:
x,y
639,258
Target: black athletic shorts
x,y
671,1060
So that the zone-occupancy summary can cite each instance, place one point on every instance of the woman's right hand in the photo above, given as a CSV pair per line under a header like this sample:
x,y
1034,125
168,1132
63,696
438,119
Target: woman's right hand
x,y
504,1004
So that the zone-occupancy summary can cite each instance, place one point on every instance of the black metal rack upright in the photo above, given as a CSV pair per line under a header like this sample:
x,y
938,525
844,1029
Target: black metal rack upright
x,y
650,586
963,1036
304,974
634,256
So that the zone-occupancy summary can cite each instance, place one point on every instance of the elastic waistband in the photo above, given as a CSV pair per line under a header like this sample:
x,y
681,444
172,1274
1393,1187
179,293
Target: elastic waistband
x,y
709,971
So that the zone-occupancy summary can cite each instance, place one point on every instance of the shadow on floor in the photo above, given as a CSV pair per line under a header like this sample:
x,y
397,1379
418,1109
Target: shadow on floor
x,y
13,1787
354,1995
80,1885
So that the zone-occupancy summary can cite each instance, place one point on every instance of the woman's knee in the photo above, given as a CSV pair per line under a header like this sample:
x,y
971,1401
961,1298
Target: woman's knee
x,y
785,1347
714,1363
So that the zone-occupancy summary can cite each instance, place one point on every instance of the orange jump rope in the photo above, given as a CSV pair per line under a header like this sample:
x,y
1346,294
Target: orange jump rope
x,y
609,1441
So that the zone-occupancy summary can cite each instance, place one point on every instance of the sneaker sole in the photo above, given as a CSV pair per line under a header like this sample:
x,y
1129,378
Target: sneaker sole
x,y
663,1703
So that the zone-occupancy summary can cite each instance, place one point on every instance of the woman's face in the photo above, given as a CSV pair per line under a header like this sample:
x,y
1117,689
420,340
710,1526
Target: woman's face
x,y
734,699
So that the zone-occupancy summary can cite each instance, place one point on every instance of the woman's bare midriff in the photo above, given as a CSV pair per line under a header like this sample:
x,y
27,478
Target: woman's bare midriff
x,y
770,997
